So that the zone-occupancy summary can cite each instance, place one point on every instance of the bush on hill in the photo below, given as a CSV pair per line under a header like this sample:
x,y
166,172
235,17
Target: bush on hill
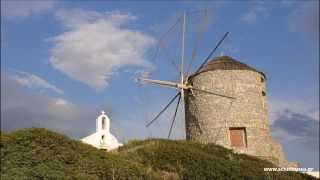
x,y
192,160
41,154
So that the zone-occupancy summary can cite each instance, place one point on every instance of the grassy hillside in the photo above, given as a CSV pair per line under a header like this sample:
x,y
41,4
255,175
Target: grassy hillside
x,y
39,153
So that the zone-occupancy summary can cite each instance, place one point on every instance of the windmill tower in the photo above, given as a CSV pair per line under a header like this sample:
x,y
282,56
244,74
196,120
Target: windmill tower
x,y
225,103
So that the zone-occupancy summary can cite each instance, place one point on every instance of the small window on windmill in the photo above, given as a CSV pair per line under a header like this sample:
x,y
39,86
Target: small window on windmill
x,y
102,137
103,122
238,137
263,93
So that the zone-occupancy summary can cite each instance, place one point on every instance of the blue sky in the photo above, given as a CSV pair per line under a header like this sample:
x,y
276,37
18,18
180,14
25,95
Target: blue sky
x,y
62,62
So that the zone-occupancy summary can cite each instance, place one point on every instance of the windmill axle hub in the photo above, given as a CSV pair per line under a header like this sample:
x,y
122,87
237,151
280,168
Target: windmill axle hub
x,y
183,86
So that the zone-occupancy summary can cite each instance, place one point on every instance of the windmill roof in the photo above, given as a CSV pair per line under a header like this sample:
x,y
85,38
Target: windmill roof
x,y
226,63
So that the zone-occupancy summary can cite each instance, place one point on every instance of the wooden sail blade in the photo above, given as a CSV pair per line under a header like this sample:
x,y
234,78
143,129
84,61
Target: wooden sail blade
x,y
213,50
166,51
164,109
213,93
163,45
199,37
159,82
169,56
182,48
174,117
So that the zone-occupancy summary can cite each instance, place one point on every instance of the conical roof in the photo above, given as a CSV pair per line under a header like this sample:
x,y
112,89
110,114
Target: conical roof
x,y
226,63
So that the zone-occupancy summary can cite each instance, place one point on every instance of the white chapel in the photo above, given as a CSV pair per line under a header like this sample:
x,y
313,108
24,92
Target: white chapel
x,y
102,138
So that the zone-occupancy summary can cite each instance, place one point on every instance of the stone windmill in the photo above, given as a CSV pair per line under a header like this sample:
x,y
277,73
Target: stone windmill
x,y
225,103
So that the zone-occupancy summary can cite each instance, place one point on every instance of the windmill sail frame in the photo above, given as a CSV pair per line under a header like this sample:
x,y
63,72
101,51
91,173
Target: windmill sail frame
x,y
184,84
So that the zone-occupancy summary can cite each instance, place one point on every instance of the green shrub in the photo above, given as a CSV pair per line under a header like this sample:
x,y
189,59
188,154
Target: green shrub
x,y
41,154
190,160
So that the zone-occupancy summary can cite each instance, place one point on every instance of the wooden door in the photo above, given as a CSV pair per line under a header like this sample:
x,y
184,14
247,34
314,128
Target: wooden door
x,y
237,137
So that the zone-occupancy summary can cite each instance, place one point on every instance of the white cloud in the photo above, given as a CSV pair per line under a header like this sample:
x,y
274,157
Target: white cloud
x,y
287,3
21,109
75,18
305,19
294,126
295,122
96,45
255,12
15,9
60,102
33,81
281,134
277,107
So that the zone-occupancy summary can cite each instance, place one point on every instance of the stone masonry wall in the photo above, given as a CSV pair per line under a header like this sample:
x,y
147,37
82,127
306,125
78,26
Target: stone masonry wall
x,y
209,117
